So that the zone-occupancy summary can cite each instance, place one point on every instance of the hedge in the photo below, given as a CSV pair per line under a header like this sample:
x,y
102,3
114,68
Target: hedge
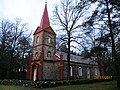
x,y
47,84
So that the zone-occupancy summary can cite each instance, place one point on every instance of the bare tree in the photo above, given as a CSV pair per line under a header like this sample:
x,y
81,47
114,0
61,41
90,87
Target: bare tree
x,y
67,16
106,16
115,58
11,34
5,26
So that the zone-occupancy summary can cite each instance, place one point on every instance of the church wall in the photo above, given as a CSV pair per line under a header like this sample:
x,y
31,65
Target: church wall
x,y
57,71
47,55
36,49
50,71
92,72
64,71
75,73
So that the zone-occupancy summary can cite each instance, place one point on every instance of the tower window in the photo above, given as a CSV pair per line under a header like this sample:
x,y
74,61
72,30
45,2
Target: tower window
x,y
49,54
49,39
36,55
37,39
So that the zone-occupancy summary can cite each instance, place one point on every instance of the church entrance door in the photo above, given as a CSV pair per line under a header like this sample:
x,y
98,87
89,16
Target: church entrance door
x,y
34,73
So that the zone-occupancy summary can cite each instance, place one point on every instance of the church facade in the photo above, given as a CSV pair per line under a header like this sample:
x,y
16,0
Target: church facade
x,y
47,64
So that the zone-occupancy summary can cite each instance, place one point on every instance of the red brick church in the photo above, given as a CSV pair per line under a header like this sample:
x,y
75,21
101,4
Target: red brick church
x,y
44,57
45,64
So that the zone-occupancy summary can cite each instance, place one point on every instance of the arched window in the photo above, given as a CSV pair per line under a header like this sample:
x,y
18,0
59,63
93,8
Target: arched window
x,y
49,54
88,73
37,39
80,71
49,39
36,55
96,72
71,71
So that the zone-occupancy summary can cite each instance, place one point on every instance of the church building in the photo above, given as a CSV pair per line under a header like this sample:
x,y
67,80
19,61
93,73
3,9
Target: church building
x,y
48,64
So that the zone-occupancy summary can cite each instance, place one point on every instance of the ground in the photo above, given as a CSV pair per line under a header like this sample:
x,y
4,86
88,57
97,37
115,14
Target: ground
x,y
111,85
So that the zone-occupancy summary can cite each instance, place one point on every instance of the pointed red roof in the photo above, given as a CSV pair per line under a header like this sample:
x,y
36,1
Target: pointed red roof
x,y
45,23
45,19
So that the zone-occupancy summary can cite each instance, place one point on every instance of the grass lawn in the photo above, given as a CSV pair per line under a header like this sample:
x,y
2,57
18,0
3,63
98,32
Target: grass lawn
x,y
111,85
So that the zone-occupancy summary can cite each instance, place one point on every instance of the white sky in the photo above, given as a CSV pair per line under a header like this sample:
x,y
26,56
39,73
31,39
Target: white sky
x,y
30,11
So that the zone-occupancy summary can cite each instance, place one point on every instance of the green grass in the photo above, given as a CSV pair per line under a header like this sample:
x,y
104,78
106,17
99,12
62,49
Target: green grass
x,y
111,85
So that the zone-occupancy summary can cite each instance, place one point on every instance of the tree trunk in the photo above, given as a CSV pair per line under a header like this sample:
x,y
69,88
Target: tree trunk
x,y
115,59
100,68
68,57
10,69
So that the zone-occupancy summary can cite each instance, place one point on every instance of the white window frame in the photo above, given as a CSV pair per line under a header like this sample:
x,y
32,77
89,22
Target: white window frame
x,y
80,71
96,71
71,71
88,73
49,39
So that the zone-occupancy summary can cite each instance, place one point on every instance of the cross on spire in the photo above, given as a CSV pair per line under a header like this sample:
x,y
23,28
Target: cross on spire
x,y
45,1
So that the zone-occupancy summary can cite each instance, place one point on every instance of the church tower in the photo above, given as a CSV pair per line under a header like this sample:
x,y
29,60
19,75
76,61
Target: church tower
x,y
44,64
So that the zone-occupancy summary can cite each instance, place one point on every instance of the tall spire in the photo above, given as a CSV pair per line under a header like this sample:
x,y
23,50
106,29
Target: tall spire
x,y
45,18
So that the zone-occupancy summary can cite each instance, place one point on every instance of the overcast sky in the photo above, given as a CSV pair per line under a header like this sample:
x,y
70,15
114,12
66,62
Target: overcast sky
x,y
30,11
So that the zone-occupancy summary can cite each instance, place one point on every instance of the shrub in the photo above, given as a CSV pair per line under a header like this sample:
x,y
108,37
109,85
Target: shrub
x,y
47,84
5,82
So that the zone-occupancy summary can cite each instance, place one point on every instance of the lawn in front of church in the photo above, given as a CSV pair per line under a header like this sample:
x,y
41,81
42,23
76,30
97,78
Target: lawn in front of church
x,y
111,85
